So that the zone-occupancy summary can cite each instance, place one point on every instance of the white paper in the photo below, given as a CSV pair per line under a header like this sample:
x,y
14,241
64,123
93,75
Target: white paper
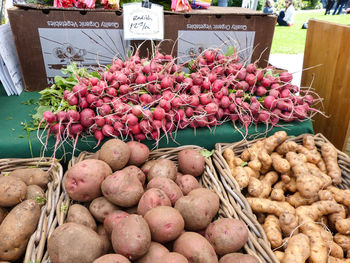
x,y
10,74
141,23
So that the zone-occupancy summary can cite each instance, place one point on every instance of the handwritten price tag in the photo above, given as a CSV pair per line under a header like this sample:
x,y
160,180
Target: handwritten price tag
x,y
142,23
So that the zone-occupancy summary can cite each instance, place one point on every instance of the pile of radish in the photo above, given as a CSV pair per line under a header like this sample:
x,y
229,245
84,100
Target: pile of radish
x,y
148,98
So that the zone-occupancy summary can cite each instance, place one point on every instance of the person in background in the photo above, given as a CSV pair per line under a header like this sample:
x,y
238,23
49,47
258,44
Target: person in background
x,y
268,9
340,5
330,4
286,17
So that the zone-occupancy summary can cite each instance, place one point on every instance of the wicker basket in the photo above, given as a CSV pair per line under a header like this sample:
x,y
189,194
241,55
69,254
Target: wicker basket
x,y
48,220
255,246
231,184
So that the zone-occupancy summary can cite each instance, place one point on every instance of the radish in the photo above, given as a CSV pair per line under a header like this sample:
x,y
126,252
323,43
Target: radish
x,y
286,77
251,79
158,113
225,102
87,117
107,130
99,137
104,110
261,91
211,108
100,121
251,68
270,102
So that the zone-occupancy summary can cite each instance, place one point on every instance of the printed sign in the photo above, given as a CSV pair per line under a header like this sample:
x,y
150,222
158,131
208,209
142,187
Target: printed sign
x,y
142,23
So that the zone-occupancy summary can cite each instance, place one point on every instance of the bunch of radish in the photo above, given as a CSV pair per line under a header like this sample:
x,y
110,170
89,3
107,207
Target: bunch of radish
x,y
147,98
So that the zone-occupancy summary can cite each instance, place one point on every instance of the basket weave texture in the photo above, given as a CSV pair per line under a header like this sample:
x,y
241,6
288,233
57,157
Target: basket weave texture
x,y
232,187
210,179
36,247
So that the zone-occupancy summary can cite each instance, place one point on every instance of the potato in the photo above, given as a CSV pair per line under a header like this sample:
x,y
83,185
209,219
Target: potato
x,y
168,186
165,223
195,248
122,189
104,236
132,169
131,237
187,183
178,178
100,207
152,198
147,166
112,258
83,180
191,161
80,214
198,208
163,168
3,214
154,252
172,257
32,176
238,258
95,155
71,243
227,235
37,193
113,219
17,228
139,153
12,191
115,153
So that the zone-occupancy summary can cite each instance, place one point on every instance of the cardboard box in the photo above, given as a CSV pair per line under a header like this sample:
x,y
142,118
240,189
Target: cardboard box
x,y
47,39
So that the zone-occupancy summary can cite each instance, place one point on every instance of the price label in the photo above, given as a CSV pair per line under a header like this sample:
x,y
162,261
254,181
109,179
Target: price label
x,y
142,23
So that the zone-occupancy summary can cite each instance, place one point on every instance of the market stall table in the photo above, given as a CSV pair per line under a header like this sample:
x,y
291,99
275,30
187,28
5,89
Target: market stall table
x,y
15,142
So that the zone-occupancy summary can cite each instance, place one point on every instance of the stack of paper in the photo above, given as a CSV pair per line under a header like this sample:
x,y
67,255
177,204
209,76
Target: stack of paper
x,y
10,73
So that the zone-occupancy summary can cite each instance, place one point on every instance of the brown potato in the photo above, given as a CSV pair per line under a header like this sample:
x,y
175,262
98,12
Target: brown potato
x,y
107,245
113,219
154,252
17,228
169,187
122,189
112,258
80,214
115,153
72,243
100,207
238,258
37,193
195,248
198,208
147,166
32,176
165,223
187,183
227,235
191,161
152,198
132,169
163,168
139,153
172,257
131,237
12,191
83,180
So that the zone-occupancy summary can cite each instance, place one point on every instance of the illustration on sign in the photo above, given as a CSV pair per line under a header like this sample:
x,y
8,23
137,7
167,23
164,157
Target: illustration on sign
x,y
87,47
191,43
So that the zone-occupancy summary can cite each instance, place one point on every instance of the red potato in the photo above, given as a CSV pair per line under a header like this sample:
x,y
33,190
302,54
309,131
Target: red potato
x,y
191,161
169,187
227,235
139,153
112,258
238,258
178,177
132,169
195,248
187,183
155,251
113,219
83,180
147,166
165,223
172,257
100,207
122,189
115,153
104,236
163,168
131,237
152,198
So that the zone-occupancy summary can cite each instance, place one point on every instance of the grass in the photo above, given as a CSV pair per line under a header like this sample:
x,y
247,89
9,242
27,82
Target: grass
x,y
291,40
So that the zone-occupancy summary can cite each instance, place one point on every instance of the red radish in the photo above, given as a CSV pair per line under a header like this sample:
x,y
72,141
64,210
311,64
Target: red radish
x,y
189,112
251,79
112,92
286,77
176,103
209,56
91,98
83,103
242,74
159,113
131,119
270,102
107,130
97,90
110,119
195,90
136,110
98,103
261,91
145,127
264,116
104,110
141,79
100,121
165,104
276,86
274,93
232,107
76,129
205,85
266,82
99,137
309,99
243,85
140,137
285,93
87,117
73,100
194,101
135,129
80,90
218,95
251,68
205,98
211,108
73,116
124,89
212,77
166,82
259,75
49,117
94,81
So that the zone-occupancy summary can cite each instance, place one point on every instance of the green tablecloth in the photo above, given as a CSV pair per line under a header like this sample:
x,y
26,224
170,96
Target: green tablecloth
x,y
17,143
